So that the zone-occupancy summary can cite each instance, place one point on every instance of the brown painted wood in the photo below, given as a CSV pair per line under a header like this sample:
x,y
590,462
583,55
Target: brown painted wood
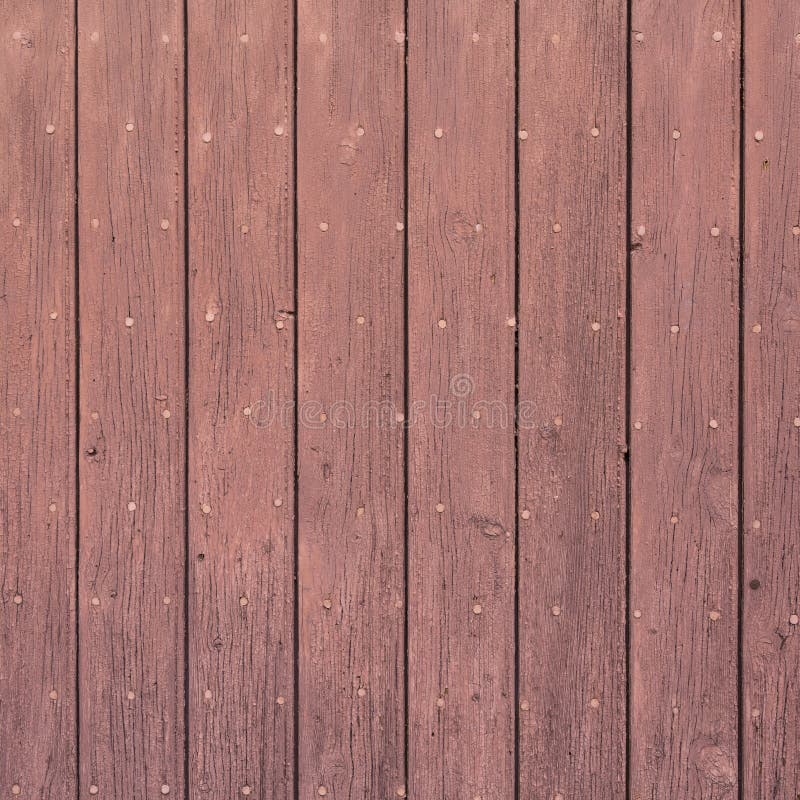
x,y
771,404
572,161
37,419
241,375
461,334
684,398
350,109
132,398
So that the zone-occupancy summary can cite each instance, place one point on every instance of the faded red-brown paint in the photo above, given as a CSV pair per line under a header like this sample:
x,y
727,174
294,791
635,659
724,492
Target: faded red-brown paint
x,y
253,253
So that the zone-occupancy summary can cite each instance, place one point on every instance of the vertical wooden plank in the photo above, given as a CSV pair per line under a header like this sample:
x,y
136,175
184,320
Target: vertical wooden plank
x,y
37,420
132,398
461,332
572,167
241,441
684,398
771,403
350,195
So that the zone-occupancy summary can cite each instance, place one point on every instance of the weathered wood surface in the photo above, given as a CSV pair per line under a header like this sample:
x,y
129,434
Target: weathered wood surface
x,y
132,398
572,255
37,415
771,404
350,193
319,369
684,296
461,332
241,373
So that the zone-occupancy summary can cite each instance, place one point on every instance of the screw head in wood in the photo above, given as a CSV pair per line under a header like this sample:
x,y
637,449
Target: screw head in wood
x,y
637,614
676,134
207,137
713,424
244,38
556,227
715,231
53,695
525,514
50,128
205,508
243,601
717,36
756,328
164,224
595,132
323,226
714,615
399,37
440,508
438,133
322,791
794,619
129,126
442,323
477,609
164,788
523,134
759,136
128,322
556,611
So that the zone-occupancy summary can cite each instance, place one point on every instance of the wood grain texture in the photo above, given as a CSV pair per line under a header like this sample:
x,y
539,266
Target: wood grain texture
x,y
684,398
350,151
572,161
771,404
132,398
37,383
461,292
241,375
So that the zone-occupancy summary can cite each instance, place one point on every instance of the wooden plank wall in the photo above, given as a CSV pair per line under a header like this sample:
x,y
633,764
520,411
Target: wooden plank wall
x,y
400,399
